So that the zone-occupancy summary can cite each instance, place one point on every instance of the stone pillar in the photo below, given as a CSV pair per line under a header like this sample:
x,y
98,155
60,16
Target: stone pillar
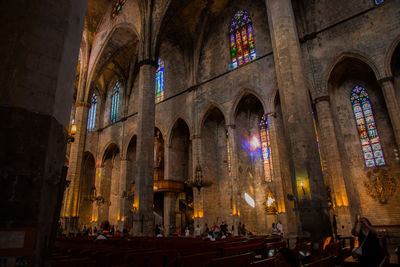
x,y
144,195
279,185
124,194
39,55
197,196
333,167
234,184
96,207
392,106
169,211
297,120
75,167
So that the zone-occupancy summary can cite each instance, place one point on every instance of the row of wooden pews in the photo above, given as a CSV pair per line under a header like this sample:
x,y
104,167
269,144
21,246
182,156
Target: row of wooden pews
x,y
256,251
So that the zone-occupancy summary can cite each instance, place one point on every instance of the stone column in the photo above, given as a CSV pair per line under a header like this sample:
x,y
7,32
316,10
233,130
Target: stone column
x,y
75,166
391,105
281,186
297,120
144,195
197,196
124,194
39,53
169,211
333,169
234,184
96,207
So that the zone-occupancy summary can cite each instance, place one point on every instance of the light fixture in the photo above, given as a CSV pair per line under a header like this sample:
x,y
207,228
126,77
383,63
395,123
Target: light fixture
x,y
73,131
93,197
270,204
198,180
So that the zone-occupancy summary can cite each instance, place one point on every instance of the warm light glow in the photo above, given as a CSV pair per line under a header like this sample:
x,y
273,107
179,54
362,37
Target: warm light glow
x,y
234,211
74,129
198,214
155,188
254,143
302,184
249,200
270,201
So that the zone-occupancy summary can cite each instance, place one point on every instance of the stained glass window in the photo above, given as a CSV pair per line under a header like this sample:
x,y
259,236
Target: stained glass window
x,y
160,81
117,7
377,2
266,148
242,39
115,102
229,155
92,114
370,143
316,135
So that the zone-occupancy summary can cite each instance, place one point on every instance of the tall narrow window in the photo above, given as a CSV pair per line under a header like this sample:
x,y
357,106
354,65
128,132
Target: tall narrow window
x,y
370,143
242,39
266,148
115,102
92,114
316,135
118,4
160,81
229,155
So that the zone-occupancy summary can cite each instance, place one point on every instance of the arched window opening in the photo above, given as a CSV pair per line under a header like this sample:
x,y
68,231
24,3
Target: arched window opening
x,y
242,39
370,143
115,102
160,81
92,114
266,148
117,7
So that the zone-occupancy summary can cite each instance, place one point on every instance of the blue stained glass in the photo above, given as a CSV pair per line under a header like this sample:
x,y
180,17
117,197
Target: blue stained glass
x,y
377,2
241,39
160,81
115,102
371,146
92,114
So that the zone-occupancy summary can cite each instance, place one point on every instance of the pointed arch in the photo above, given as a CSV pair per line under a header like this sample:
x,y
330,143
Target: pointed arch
x,y
172,126
108,150
206,112
92,113
239,97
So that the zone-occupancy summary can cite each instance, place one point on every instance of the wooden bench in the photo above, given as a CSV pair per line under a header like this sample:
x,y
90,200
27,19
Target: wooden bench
x,y
325,262
264,263
243,260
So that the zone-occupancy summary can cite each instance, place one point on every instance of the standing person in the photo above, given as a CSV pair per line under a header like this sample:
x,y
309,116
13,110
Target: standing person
x,y
372,253
279,226
197,231
187,232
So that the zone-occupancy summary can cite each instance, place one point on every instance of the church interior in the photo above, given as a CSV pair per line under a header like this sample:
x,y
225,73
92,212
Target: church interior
x,y
269,127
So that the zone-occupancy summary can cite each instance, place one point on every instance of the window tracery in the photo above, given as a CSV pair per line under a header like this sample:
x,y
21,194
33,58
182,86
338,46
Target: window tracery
x,y
242,39
266,148
160,81
92,114
115,102
370,143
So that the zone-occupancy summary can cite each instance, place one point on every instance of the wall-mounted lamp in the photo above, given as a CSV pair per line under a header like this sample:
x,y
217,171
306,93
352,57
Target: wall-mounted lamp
x,y
73,131
302,187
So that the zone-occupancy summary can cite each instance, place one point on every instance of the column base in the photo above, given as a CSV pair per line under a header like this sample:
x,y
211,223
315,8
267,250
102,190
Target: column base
x,y
143,224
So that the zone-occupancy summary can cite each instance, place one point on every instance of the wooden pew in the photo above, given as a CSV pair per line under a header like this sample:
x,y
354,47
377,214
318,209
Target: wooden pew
x,y
325,262
73,262
196,260
264,263
243,260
